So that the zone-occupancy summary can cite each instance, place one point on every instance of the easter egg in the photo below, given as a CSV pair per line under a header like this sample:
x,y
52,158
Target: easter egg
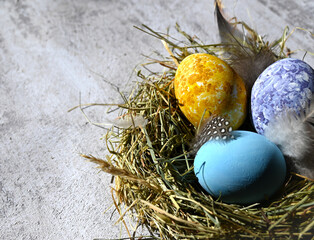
x,y
205,84
286,84
243,170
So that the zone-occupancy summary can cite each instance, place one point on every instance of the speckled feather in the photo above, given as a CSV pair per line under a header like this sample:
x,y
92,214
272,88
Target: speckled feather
x,y
214,128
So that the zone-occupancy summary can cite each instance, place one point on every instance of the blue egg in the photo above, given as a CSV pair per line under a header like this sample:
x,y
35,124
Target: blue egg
x,y
286,84
244,170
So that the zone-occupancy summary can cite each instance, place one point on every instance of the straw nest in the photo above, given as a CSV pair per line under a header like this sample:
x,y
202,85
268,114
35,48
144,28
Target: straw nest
x,y
153,169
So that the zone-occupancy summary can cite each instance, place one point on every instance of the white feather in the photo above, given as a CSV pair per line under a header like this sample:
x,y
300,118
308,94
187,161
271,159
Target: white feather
x,y
126,122
294,135
290,134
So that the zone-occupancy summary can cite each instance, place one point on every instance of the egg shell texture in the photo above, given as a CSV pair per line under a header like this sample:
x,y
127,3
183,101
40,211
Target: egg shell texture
x,y
286,84
204,81
245,170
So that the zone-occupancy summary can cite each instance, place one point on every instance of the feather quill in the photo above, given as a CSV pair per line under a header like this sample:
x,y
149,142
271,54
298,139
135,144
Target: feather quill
x,y
247,54
294,135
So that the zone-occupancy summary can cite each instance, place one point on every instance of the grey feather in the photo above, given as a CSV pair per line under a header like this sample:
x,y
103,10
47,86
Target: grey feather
x,y
294,135
227,32
248,60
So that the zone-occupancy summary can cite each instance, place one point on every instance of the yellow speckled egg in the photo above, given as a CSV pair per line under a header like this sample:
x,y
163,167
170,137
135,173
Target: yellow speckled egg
x,y
205,82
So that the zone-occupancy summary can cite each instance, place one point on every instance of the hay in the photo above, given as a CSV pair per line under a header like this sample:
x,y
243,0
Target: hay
x,y
154,179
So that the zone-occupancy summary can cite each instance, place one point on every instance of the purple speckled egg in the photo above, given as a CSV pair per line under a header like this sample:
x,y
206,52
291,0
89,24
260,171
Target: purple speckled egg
x,y
286,84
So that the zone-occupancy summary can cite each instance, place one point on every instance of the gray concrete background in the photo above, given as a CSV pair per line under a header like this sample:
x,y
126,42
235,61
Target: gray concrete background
x,y
49,53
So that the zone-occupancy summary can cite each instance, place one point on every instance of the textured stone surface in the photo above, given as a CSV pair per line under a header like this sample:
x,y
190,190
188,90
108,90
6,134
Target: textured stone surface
x,y
50,51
